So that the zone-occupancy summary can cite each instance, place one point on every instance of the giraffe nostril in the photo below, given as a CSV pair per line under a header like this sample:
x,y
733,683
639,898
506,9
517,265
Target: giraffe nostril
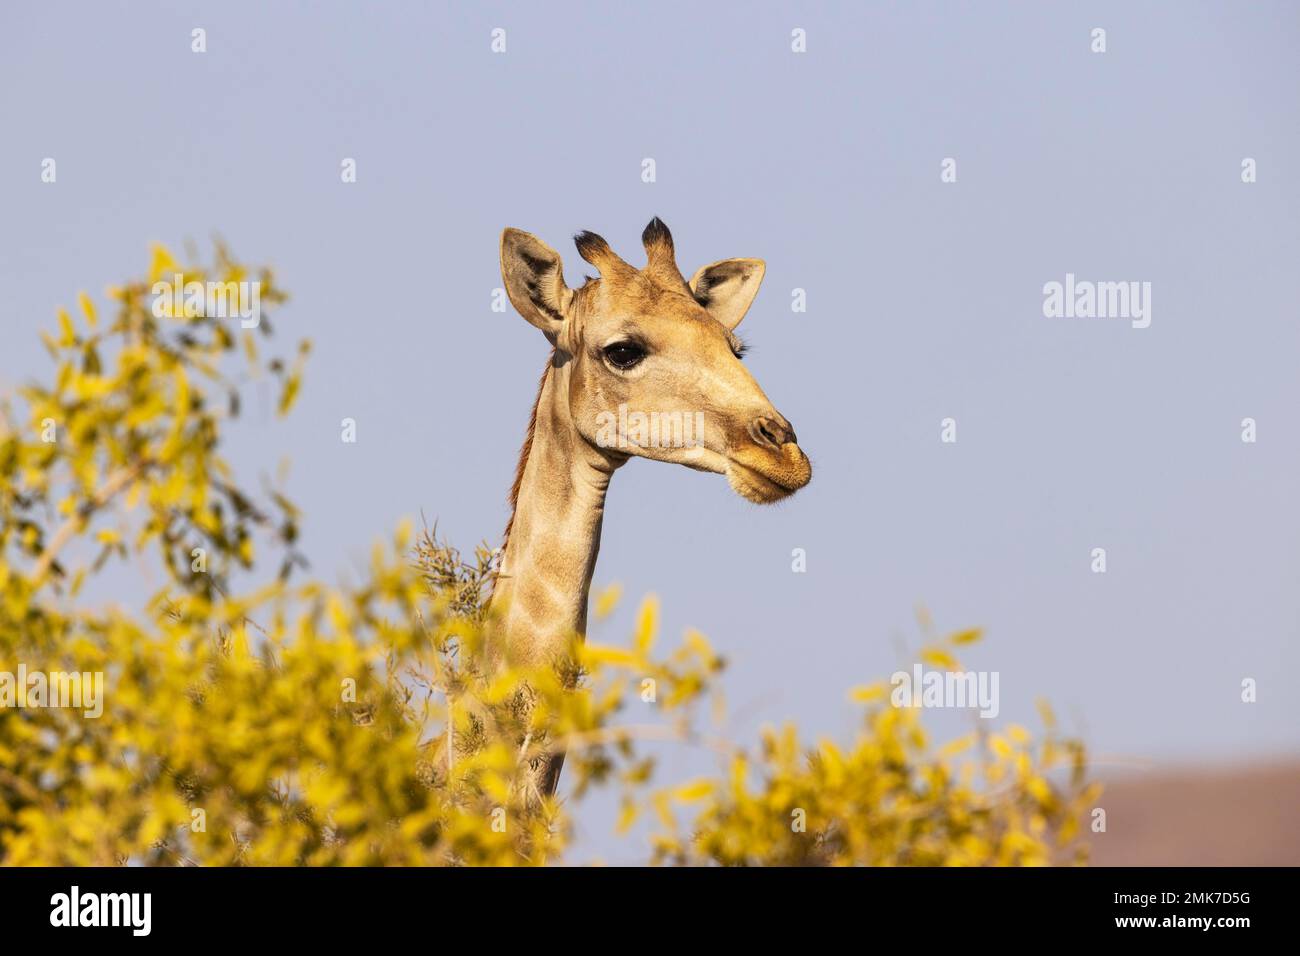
x,y
765,431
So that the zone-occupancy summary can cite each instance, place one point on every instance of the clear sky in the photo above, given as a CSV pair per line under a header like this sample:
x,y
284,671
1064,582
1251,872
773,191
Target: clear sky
x,y
924,302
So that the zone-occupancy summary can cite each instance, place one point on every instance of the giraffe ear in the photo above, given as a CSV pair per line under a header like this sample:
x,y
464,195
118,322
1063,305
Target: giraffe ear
x,y
726,288
534,279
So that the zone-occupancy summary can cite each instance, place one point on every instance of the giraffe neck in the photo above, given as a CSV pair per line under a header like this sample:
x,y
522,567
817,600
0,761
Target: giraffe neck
x,y
554,535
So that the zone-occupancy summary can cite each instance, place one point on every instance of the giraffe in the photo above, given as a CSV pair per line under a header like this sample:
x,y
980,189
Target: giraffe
x,y
634,346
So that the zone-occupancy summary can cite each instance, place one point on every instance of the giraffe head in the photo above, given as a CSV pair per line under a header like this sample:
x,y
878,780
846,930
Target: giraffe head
x,y
653,363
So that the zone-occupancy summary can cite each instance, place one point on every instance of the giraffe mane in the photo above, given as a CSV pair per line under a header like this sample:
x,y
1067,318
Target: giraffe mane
x,y
524,452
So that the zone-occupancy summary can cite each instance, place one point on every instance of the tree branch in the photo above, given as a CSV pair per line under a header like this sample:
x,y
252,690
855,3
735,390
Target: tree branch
x,y
115,483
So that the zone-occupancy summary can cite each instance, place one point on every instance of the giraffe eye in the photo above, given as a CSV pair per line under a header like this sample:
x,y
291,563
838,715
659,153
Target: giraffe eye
x,y
624,355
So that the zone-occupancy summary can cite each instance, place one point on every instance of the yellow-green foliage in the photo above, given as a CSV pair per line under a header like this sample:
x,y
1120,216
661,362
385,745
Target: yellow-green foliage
x,y
887,800
289,722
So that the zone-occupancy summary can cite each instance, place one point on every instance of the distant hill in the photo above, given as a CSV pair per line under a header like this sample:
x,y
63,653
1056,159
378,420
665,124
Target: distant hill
x,y
1247,815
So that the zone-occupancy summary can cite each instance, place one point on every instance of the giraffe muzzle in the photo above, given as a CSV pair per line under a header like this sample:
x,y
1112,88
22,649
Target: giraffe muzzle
x,y
771,466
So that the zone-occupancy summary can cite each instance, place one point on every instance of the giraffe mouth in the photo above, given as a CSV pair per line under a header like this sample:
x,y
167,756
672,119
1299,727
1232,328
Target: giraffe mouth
x,y
759,475
770,484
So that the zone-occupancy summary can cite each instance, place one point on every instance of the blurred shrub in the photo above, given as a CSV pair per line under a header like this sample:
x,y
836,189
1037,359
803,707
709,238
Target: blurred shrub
x,y
289,722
